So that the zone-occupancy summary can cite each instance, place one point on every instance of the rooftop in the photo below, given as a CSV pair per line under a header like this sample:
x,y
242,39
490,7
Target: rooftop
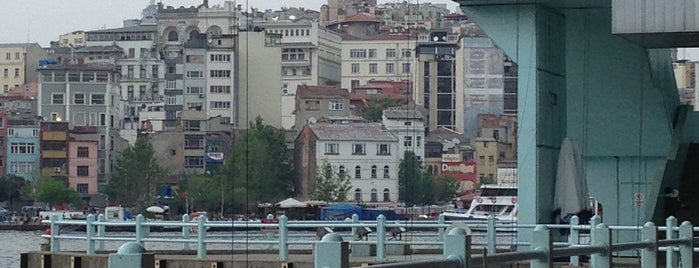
x,y
320,91
23,45
403,114
132,29
352,132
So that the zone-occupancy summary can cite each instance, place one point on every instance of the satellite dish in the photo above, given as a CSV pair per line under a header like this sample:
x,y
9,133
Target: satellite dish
x,y
312,120
291,17
435,38
275,18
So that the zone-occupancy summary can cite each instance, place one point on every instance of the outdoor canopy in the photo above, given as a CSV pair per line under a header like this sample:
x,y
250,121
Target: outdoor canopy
x,y
291,203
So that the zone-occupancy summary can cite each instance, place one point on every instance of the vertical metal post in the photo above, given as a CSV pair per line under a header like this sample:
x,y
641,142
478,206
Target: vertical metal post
x,y
283,236
542,241
380,237
440,231
201,237
89,234
686,248
601,236
101,231
649,255
574,238
139,228
457,244
670,254
355,221
270,234
55,228
185,232
492,234
331,251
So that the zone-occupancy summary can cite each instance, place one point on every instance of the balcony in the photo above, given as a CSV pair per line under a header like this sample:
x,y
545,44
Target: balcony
x,y
53,154
54,135
53,172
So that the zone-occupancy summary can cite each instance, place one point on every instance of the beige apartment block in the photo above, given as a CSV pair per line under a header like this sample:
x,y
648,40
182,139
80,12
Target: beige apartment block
x,y
72,39
19,63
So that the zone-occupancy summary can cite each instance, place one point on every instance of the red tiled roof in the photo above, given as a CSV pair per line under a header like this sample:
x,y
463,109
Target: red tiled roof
x,y
320,91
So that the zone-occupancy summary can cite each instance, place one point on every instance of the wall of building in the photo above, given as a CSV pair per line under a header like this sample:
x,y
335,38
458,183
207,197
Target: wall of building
x,y
26,164
258,94
75,161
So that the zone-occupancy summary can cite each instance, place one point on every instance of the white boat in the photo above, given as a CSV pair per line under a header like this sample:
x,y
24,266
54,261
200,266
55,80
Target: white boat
x,y
499,200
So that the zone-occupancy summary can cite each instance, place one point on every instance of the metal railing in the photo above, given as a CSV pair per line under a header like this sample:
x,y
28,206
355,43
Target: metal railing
x,y
196,233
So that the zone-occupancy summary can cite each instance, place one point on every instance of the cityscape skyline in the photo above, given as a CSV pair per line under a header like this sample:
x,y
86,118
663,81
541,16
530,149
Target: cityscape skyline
x,y
33,21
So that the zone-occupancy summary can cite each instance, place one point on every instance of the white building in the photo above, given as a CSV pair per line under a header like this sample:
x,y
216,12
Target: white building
x,y
388,56
367,152
408,125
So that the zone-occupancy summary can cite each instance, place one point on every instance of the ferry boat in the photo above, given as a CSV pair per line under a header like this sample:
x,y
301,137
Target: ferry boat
x,y
499,200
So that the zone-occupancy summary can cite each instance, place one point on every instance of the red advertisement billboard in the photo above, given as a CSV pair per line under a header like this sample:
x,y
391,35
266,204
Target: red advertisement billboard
x,y
464,172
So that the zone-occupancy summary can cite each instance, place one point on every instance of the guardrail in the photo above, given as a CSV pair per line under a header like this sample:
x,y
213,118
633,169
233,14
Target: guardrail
x,y
196,233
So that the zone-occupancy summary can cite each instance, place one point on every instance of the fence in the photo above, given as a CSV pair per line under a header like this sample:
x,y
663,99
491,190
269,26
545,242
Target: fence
x,y
96,234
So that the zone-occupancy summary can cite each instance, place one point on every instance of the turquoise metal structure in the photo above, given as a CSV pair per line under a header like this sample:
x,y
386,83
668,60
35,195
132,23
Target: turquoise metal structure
x,y
617,99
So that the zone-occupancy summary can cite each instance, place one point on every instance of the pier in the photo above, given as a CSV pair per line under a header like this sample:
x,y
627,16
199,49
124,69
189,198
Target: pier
x,y
474,243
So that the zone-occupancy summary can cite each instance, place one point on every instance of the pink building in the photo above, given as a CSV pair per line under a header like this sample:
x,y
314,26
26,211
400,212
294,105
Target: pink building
x,y
82,166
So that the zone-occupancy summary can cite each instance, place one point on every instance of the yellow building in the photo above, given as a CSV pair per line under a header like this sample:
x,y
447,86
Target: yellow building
x,y
18,64
486,159
72,39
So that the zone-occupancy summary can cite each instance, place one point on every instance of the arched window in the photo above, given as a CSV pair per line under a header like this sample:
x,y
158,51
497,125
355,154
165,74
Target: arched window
x,y
357,172
342,171
358,195
194,34
373,172
385,172
386,195
374,195
172,36
429,169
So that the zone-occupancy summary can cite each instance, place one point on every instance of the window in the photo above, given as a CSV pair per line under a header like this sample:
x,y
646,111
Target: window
x,y
5,72
170,84
154,71
357,172
172,36
142,71
83,152
193,162
220,105
386,195
79,98
16,55
2,124
22,167
406,68
57,98
220,89
16,72
312,105
11,132
383,149
35,132
129,72
358,149
354,83
390,53
8,56
193,125
193,141
342,171
103,120
332,148
418,141
97,99
81,188
355,68
220,58
102,163
408,141
373,172
195,90
6,88
357,53
83,171
390,68
372,53
386,170
481,160
373,68
220,73
335,106
132,53
374,195
293,54
405,53
358,195
195,74
195,58
491,160
22,148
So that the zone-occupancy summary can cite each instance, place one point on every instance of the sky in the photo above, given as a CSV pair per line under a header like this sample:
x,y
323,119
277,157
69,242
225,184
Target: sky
x,y
42,21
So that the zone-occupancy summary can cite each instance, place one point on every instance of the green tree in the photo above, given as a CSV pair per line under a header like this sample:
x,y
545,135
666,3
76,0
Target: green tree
x,y
259,166
55,192
330,186
373,111
414,185
11,188
136,174
444,188
203,192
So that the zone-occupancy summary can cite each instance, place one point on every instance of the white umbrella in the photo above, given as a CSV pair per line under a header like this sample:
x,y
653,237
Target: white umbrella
x,y
155,209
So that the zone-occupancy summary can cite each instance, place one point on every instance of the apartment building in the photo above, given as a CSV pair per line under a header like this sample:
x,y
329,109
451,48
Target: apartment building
x,y
82,166
23,149
72,39
388,56
407,124
366,152
19,63
315,102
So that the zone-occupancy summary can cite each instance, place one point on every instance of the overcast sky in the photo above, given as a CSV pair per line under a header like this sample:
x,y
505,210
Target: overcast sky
x,y
42,21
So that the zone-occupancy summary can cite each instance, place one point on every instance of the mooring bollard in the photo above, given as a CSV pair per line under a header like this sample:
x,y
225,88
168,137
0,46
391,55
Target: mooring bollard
x,y
331,252
671,259
542,240
201,236
283,236
457,244
574,238
90,233
601,236
131,255
101,231
185,232
381,238
649,255
139,228
686,248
